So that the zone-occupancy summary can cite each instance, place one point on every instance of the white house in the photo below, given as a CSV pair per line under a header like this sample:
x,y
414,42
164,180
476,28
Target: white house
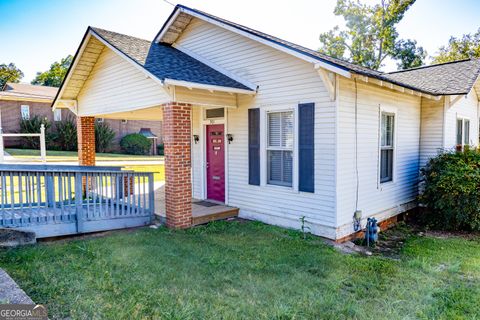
x,y
277,130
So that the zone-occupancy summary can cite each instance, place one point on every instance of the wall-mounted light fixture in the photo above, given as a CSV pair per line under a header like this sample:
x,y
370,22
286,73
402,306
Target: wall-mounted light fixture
x,y
229,138
196,138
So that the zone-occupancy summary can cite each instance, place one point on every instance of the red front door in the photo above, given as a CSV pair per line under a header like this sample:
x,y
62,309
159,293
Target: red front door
x,y
215,162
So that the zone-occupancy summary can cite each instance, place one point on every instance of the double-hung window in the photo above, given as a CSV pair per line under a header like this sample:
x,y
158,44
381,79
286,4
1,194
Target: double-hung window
x,y
25,112
387,146
280,128
463,132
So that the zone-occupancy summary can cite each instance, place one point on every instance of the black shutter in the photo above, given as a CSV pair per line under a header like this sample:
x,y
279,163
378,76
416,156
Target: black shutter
x,y
306,144
254,146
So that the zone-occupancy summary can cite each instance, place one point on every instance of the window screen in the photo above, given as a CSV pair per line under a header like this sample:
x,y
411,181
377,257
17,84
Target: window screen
x,y
280,148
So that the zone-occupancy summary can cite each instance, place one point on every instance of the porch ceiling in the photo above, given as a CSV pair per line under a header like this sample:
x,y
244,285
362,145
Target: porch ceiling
x,y
153,114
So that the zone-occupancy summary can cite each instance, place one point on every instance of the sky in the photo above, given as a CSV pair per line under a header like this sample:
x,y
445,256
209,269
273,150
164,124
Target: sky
x,y
35,33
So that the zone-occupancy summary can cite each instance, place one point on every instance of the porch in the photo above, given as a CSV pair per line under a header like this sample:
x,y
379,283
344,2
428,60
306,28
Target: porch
x,y
203,211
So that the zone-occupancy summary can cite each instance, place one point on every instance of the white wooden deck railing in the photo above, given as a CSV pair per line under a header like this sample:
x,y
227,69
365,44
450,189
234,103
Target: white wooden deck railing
x,y
41,136
57,200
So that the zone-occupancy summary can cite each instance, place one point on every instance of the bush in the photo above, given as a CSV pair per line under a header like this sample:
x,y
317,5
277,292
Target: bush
x,y
452,190
161,149
66,134
104,136
135,143
33,126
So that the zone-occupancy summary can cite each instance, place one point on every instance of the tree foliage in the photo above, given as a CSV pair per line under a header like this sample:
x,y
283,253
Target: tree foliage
x,y
465,47
104,136
371,36
65,135
54,76
9,73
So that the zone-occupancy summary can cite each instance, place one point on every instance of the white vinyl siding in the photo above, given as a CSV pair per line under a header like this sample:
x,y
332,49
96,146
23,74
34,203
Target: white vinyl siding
x,y
284,82
431,135
115,85
280,148
25,112
466,107
374,198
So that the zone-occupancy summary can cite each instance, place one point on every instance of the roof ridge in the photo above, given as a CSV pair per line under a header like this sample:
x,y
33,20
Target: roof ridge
x,y
118,33
432,65
303,48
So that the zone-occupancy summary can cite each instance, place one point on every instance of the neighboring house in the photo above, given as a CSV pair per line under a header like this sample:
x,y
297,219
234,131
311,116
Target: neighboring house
x,y
24,101
278,130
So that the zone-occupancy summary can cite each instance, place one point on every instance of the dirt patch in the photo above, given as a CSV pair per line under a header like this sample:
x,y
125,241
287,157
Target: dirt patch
x,y
390,242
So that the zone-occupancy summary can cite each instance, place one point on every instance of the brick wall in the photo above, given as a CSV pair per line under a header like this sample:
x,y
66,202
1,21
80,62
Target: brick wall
x,y
178,184
11,116
133,126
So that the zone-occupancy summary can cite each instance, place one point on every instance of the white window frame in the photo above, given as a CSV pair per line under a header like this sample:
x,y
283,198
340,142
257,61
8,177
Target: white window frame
x,y
391,111
463,119
264,147
24,108
100,120
57,115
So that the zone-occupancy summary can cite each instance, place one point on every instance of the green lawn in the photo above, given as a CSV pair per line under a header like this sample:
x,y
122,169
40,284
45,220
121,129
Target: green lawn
x,y
59,156
238,270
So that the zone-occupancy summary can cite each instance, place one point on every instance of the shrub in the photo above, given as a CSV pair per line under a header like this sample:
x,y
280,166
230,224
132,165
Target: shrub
x,y
66,134
452,190
104,136
33,126
135,143
161,149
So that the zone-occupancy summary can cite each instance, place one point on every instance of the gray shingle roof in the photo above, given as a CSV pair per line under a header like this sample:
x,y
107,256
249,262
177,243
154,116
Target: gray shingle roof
x,y
164,61
442,79
452,78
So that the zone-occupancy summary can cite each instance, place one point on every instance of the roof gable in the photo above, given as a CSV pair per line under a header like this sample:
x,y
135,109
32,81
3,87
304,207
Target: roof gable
x,y
165,62
436,83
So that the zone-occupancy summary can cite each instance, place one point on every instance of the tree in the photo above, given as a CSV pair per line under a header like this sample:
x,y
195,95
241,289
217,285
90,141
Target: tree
x,y
9,73
371,36
54,76
465,47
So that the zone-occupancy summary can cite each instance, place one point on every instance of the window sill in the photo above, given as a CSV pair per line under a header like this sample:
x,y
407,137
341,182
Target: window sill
x,y
386,185
279,188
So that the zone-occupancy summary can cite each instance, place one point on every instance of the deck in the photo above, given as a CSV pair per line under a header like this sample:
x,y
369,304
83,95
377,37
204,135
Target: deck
x,y
202,211
54,200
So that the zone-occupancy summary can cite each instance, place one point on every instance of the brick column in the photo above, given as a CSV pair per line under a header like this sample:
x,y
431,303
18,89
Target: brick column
x,y
86,140
178,184
86,146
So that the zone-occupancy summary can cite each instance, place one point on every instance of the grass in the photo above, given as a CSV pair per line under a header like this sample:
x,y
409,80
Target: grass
x,y
60,156
235,270
158,170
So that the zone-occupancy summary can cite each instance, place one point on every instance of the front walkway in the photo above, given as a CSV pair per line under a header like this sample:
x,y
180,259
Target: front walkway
x,y
202,211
